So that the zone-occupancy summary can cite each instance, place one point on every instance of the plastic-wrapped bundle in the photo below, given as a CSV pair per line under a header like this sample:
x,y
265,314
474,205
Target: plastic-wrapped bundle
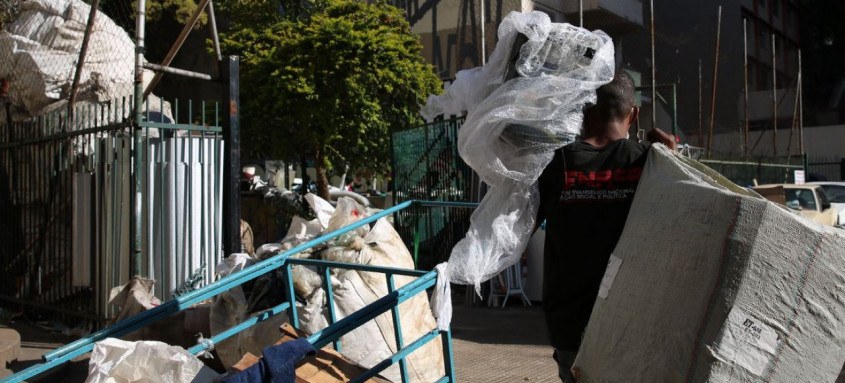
x,y
525,103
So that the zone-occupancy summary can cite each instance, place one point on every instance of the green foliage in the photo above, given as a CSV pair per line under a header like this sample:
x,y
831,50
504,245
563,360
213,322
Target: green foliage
x,y
156,10
258,13
9,10
331,86
180,10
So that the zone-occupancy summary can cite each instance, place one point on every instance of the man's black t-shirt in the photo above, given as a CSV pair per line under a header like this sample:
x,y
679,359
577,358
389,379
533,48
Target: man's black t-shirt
x,y
585,193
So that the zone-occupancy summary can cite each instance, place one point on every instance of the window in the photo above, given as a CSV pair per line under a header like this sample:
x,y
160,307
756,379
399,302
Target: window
x,y
801,199
835,193
776,8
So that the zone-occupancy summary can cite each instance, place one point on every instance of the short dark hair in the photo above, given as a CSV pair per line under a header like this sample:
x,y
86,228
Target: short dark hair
x,y
615,99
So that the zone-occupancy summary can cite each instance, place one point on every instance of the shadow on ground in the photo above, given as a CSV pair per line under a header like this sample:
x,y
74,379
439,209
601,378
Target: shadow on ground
x,y
515,324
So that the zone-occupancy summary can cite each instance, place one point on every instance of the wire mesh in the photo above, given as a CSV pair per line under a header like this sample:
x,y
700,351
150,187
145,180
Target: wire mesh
x,y
42,46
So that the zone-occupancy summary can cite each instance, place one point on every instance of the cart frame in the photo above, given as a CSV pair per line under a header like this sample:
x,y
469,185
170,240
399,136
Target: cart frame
x,y
331,334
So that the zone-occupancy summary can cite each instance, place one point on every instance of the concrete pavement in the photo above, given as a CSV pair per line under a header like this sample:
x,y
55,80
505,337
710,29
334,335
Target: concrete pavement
x,y
490,345
501,345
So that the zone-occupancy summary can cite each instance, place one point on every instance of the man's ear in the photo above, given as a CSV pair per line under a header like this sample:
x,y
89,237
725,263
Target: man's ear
x,y
633,116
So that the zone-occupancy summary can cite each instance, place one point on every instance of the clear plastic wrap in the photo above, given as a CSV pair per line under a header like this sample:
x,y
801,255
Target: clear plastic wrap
x,y
521,106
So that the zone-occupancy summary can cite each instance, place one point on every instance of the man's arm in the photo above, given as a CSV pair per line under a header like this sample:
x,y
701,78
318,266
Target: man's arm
x,y
657,135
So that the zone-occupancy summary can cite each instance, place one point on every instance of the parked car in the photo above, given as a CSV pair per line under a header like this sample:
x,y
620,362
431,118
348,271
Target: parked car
x,y
835,192
808,200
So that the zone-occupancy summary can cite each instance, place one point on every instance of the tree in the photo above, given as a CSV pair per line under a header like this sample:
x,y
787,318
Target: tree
x,y
331,86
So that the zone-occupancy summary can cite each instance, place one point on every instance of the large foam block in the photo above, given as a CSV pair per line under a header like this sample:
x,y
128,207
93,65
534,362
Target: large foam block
x,y
711,283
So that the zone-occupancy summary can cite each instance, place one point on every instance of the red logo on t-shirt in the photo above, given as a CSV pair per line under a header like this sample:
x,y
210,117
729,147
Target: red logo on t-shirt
x,y
602,179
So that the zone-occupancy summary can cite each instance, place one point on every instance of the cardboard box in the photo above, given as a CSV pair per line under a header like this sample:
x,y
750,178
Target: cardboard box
x,y
328,366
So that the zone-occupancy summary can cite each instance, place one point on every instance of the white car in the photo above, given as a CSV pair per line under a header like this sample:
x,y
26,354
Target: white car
x,y
835,192
807,200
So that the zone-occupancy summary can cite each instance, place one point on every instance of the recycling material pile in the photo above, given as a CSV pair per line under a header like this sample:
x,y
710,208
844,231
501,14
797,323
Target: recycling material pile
x,y
711,283
367,345
39,51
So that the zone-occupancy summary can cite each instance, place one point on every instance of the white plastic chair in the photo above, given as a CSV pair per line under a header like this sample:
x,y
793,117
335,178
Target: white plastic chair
x,y
507,283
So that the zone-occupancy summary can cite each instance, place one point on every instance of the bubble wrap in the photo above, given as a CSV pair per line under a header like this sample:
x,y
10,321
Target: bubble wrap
x,y
520,109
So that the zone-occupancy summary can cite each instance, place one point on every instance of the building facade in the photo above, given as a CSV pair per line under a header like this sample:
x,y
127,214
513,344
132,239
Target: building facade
x,y
685,43
460,34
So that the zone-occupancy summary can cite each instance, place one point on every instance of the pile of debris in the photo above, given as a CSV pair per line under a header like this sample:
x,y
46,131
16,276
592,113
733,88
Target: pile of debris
x,y
362,348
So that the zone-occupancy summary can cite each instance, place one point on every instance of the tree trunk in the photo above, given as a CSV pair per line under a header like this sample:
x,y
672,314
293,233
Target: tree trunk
x,y
303,165
322,180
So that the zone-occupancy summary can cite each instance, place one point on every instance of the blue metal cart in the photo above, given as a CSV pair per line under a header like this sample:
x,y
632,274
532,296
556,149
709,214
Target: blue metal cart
x,y
331,334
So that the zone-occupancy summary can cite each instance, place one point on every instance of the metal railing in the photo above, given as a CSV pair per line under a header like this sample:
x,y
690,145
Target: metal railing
x,y
745,170
59,177
67,192
331,334
427,166
832,170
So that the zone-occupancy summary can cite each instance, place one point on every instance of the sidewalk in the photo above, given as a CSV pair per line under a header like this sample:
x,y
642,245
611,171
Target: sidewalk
x,y
501,345
490,345
35,342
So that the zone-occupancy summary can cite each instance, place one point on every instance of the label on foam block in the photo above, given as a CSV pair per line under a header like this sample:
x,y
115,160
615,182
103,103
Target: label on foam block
x,y
747,341
613,266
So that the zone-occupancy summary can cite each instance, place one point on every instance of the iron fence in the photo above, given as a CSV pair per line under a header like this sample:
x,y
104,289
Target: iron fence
x,y
67,193
746,170
58,178
830,170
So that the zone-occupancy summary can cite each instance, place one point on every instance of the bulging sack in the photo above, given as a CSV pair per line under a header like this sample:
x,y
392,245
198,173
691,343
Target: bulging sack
x,y
374,341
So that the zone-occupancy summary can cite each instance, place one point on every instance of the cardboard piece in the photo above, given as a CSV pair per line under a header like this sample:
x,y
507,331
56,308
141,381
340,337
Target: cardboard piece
x,y
328,366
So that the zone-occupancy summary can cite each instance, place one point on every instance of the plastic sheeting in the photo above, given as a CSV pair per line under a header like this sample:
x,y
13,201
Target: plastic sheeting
x,y
117,361
520,108
231,308
711,283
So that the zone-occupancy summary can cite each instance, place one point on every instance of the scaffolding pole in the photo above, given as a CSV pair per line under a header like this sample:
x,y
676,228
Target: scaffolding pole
x,y
715,81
